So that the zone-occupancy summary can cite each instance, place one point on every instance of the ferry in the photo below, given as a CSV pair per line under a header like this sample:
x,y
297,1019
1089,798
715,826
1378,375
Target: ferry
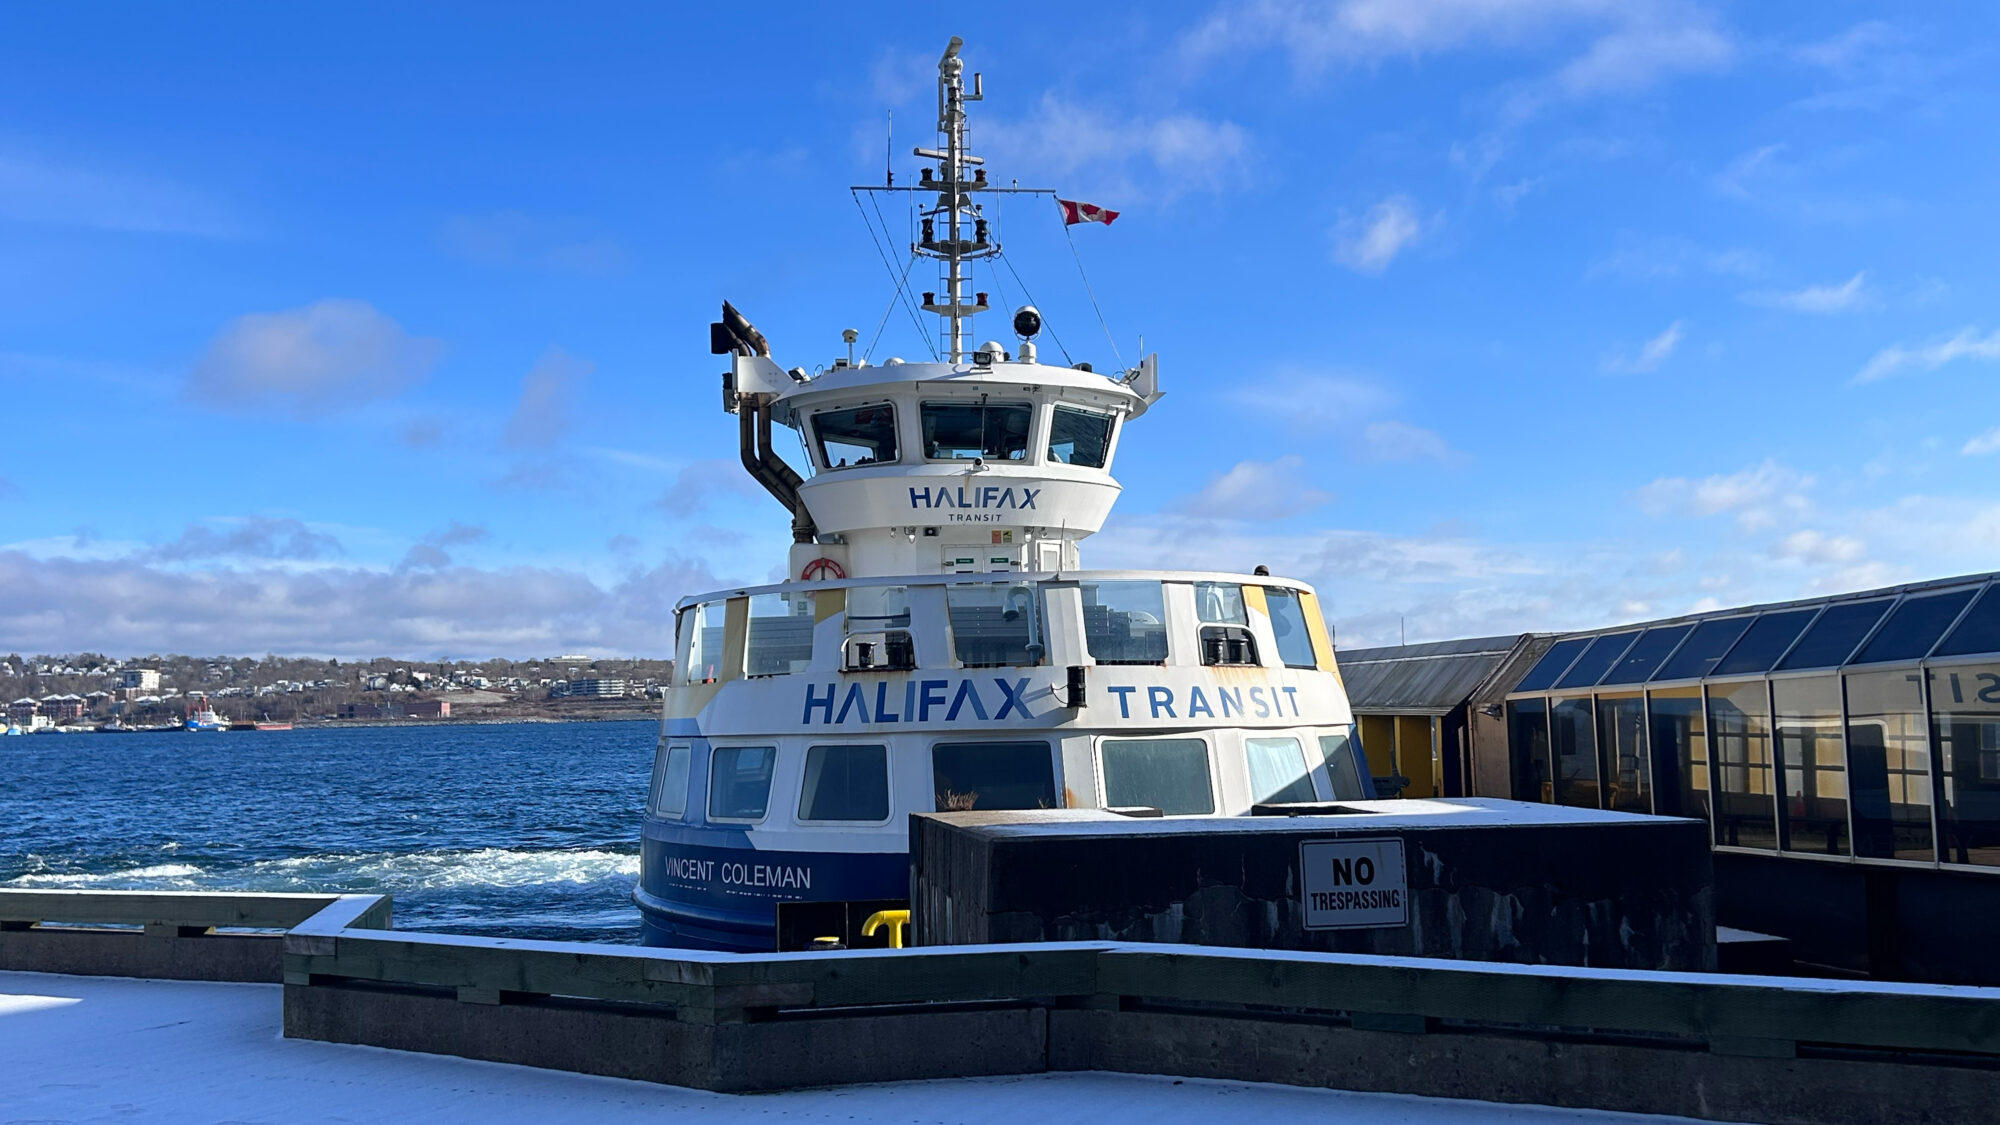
x,y
939,646
202,717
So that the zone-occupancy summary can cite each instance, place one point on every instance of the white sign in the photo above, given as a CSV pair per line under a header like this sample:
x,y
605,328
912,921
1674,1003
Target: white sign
x,y
1354,884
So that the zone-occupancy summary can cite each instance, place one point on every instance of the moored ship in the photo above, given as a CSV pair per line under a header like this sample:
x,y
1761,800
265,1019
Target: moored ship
x,y
940,647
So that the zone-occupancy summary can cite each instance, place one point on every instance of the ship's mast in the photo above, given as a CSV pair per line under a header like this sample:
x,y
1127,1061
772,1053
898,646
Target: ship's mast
x,y
954,204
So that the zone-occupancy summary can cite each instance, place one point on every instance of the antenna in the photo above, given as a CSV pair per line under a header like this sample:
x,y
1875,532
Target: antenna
x,y
889,152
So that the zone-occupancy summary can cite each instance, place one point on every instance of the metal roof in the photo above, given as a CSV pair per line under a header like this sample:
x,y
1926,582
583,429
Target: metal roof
x,y
1430,678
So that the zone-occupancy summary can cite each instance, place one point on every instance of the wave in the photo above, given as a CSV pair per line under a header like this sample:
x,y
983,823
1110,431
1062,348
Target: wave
x,y
386,872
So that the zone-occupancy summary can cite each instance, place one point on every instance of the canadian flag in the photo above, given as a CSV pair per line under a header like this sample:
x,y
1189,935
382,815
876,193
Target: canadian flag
x,y
1074,213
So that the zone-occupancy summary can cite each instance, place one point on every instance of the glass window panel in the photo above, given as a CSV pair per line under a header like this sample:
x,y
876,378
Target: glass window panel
x,y
739,782
670,781
955,431
1288,620
704,625
1278,772
1889,760
1679,744
1764,642
1914,627
993,775
1596,660
1573,738
781,634
1621,734
995,624
874,608
1697,657
1645,654
1528,734
1832,638
1079,437
1810,752
845,783
1965,720
1739,728
1979,631
1168,774
1343,767
1220,603
865,435
1552,664
1125,622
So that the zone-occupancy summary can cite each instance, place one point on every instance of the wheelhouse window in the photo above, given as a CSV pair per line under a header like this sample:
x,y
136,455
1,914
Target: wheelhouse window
x,y
703,624
865,435
1288,620
995,625
1125,622
962,431
1278,773
1168,774
993,775
845,783
1225,624
670,781
739,782
781,634
1079,437
878,630
1343,767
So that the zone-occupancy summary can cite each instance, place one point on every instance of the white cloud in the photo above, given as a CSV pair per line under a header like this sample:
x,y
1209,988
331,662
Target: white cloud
x,y
1368,244
1650,355
1122,158
1756,495
1737,178
1849,294
1400,441
1649,259
512,238
1314,400
1898,358
430,611
1258,490
1319,35
700,483
326,356
259,537
543,414
1509,196
1988,442
1635,58
1840,53
1810,546
36,188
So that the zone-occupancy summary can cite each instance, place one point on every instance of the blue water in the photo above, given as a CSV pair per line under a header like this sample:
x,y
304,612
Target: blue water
x,y
521,829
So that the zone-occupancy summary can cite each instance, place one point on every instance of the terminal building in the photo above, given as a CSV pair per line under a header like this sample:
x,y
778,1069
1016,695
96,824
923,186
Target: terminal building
x,y
1845,752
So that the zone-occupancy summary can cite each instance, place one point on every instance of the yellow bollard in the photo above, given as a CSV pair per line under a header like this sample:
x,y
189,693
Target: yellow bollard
x,y
896,920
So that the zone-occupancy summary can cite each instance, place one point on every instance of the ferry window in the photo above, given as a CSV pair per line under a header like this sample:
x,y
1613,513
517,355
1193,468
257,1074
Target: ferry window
x,y
670,781
1168,774
1914,627
1343,766
1888,756
1278,772
781,634
704,654
1124,622
1739,727
995,625
739,782
873,608
1832,639
1288,620
1079,437
1965,714
865,435
1220,603
993,775
955,431
846,783
1225,635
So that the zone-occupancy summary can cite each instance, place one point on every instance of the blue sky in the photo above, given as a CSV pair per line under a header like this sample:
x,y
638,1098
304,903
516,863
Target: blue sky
x,y
356,329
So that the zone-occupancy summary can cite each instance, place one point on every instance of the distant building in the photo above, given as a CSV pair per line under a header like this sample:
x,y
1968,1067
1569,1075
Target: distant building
x,y
63,708
23,711
428,709
139,679
597,689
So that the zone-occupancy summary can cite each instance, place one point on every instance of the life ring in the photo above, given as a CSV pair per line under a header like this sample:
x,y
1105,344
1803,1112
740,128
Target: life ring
x,y
821,568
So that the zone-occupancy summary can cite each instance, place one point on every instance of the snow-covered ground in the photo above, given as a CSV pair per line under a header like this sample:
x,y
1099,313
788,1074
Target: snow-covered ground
x,y
108,1049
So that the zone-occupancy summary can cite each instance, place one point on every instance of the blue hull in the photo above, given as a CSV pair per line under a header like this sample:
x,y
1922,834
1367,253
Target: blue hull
x,y
708,888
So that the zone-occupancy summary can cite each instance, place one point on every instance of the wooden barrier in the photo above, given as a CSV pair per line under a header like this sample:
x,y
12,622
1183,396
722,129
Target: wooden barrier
x,y
1701,1045
173,935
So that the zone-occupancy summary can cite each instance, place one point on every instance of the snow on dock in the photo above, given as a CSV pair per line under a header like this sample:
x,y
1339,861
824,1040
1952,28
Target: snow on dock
x,y
102,1048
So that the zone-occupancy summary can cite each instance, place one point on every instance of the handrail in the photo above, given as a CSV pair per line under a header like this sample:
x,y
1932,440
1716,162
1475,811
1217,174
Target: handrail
x,y
988,578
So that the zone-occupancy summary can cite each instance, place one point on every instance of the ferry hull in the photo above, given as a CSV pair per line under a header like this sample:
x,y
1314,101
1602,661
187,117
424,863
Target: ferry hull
x,y
708,888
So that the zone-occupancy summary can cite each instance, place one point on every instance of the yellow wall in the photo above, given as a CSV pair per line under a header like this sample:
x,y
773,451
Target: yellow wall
x,y
1413,755
1378,740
